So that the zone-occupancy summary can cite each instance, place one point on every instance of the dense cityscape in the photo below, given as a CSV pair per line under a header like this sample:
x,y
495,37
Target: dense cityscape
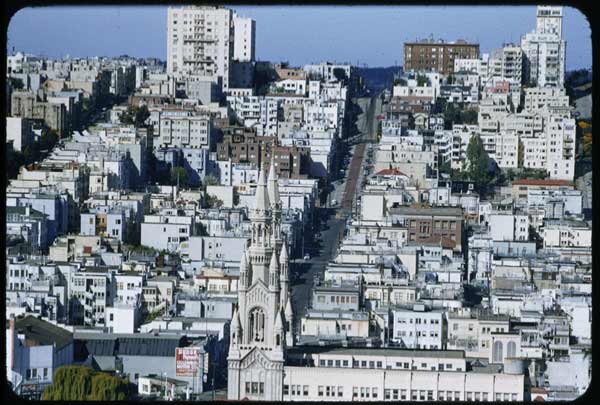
x,y
215,227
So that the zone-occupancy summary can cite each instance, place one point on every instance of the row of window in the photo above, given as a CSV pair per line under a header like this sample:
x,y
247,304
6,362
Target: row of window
x,y
35,373
419,321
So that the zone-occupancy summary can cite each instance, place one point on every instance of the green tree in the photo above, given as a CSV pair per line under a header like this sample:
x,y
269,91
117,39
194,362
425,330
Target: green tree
x,y
77,383
179,174
141,115
210,180
422,80
477,163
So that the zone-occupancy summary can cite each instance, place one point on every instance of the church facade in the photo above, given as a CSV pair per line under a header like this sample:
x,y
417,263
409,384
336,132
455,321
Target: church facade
x,y
261,327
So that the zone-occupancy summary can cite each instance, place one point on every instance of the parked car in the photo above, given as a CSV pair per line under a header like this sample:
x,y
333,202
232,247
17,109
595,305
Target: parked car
x,y
307,257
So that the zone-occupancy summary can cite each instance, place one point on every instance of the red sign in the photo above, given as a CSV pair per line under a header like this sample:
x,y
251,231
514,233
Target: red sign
x,y
187,361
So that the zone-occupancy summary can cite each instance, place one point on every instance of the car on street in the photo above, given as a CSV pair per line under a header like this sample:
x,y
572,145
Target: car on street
x,y
307,257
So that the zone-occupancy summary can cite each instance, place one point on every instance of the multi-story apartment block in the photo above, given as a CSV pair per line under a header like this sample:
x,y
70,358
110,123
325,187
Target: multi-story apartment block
x,y
427,55
431,224
186,132
91,290
418,328
544,49
244,38
200,41
166,230
507,63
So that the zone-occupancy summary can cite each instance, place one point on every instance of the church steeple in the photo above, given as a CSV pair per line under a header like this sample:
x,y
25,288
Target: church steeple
x,y
262,203
259,324
273,186
284,277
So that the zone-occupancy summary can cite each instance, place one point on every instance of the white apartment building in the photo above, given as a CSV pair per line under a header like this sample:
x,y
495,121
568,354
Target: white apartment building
x,y
418,328
91,290
166,230
557,233
560,147
544,49
186,132
509,226
256,112
544,99
461,135
359,374
244,39
507,63
200,42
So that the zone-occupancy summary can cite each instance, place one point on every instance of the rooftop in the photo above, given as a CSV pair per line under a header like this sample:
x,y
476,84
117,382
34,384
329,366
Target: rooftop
x,y
42,333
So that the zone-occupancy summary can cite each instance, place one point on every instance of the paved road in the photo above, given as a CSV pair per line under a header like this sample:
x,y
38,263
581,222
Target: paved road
x,y
333,219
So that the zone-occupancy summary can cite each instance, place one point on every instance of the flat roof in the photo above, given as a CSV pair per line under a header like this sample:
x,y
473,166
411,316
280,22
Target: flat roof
x,y
389,352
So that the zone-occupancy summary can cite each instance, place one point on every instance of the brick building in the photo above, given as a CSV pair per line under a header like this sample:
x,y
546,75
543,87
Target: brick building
x,y
438,56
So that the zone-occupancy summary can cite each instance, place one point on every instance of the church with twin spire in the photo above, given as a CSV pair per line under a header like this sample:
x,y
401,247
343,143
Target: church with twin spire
x,y
261,328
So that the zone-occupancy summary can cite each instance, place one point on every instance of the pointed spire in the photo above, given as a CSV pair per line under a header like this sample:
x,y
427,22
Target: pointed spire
x,y
261,202
283,257
236,324
289,312
279,321
274,266
273,186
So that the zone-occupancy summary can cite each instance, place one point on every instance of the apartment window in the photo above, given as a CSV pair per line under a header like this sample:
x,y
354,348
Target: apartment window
x,y
387,394
354,392
320,390
414,394
329,363
286,389
345,363
322,363
340,391
305,390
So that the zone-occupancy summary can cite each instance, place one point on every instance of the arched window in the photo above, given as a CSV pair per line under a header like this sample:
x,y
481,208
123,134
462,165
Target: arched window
x,y
511,349
277,339
497,352
257,325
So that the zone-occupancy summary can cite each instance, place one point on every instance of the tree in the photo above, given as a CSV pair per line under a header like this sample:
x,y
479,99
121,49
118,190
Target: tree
x,y
179,176
141,115
422,80
77,383
209,180
340,75
477,163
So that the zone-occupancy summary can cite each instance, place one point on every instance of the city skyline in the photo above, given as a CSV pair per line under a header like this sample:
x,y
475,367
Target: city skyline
x,y
297,43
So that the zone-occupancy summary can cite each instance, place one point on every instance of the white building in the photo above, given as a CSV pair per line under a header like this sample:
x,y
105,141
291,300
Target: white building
x,y
544,49
200,42
418,328
244,39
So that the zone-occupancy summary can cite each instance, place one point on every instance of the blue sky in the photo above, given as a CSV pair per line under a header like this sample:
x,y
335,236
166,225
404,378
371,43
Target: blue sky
x,y
299,34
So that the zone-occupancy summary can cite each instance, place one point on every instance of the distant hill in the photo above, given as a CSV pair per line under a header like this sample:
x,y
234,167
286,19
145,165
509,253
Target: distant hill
x,y
378,78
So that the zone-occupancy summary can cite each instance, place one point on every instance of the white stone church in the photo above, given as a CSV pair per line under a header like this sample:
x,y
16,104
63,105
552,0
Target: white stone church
x,y
263,363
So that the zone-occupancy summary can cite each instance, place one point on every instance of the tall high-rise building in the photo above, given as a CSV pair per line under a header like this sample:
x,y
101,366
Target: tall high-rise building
x,y
200,42
244,32
544,49
261,327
